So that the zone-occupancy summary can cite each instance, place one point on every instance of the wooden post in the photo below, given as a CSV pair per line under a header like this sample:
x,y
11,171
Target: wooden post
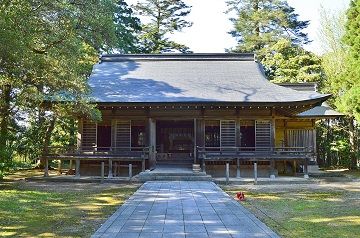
x,y
115,169
255,173
203,165
143,165
46,168
59,167
110,174
152,143
238,175
71,164
102,171
195,134
272,169
227,172
77,168
294,167
130,171
306,173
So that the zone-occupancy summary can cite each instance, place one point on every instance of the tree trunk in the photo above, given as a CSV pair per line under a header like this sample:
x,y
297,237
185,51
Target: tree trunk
x,y
354,160
5,117
47,136
257,27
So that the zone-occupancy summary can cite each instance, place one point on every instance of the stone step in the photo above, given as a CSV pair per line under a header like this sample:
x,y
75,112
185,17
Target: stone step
x,y
173,162
183,178
173,176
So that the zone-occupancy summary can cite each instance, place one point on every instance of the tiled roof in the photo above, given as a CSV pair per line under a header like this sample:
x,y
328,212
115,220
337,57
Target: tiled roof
x,y
188,78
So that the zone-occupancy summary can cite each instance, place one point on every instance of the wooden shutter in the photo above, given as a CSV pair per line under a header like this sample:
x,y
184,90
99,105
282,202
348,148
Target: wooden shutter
x,y
89,134
227,133
123,134
301,138
262,135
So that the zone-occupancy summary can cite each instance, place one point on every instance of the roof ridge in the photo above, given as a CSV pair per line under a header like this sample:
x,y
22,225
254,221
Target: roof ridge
x,y
179,57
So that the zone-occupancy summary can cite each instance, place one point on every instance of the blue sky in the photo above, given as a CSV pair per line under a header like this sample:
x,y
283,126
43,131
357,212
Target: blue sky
x,y
211,24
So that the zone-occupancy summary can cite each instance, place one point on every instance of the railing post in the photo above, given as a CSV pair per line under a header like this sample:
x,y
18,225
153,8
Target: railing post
x,y
102,171
77,168
59,167
238,175
203,164
115,169
272,169
306,174
110,174
143,165
227,172
255,173
130,171
46,168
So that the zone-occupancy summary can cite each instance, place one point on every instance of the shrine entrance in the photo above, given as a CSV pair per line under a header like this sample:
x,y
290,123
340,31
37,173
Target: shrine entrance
x,y
175,139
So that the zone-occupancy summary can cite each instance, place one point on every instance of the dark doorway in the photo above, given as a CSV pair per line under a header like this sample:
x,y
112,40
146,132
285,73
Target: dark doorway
x,y
103,137
175,136
247,137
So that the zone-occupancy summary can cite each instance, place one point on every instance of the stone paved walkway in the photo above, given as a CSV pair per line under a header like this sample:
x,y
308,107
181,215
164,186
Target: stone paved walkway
x,y
182,209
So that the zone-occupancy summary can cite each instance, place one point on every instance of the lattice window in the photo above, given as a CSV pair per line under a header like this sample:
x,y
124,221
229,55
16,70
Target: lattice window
x,y
227,133
89,133
262,135
123,134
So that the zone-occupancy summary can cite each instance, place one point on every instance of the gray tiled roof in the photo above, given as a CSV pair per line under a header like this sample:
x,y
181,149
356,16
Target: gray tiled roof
x,y
323,111
187,78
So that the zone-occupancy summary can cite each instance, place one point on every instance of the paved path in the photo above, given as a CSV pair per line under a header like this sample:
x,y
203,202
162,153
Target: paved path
x,y
182,209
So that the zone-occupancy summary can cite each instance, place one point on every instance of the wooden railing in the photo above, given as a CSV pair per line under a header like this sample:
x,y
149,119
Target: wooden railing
x,y
253,152
95,150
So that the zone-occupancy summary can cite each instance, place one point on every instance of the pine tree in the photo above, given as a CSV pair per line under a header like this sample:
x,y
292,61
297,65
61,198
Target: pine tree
x,y
165,17
261,23
271,29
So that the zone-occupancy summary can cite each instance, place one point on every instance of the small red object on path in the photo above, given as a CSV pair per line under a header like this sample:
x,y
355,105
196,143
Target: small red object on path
x,y
240,196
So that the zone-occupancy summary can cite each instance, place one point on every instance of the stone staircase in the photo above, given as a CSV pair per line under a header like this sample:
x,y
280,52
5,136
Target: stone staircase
x,y
173,172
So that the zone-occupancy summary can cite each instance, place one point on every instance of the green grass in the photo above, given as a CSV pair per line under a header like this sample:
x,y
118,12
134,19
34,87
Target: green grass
x,y
56,209
317,214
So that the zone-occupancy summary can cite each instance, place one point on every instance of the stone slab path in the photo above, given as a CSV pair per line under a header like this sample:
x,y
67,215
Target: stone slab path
x,y
182,209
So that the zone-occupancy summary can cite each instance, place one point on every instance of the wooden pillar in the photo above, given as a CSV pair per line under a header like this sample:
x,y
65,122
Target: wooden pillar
x,y
306,173
59,167
79,133
71,164
77,168
130,171
227,172
46,168
143,165
195,135
203,165
272,169
255,172
238,175
110,173
115,169
152,143
294,167
102,171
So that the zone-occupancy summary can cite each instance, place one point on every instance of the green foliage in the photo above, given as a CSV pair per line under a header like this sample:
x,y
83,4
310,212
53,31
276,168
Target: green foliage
x,y
272,30
165,17
351,86
47,50
285,62
262,23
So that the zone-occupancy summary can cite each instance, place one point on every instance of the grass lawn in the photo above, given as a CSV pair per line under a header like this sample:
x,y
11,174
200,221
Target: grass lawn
x,y
319,210
45,209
